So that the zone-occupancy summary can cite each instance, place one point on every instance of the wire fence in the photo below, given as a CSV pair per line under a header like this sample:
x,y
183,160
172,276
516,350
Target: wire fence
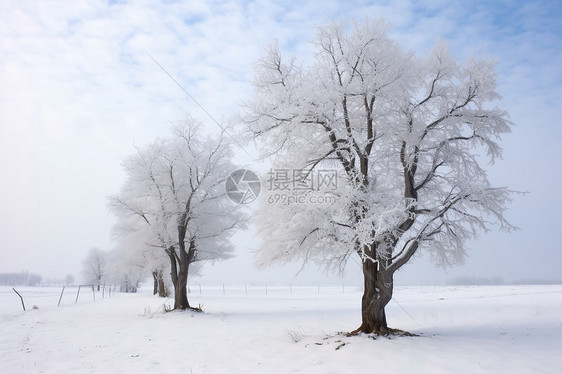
x,y
27,298
266,289
14,299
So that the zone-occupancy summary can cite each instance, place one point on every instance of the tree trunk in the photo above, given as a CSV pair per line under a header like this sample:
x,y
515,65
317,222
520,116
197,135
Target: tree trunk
x,y
180,284
179,278
162,289
155,286
180,289
376,295
159,286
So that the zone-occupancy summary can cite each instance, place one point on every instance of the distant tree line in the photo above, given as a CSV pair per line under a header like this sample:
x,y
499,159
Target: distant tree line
x,y
477,281
20,279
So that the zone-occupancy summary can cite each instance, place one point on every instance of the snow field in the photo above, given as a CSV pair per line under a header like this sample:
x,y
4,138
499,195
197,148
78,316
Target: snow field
x,y
497,329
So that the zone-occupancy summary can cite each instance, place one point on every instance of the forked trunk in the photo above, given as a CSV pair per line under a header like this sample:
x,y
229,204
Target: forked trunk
x,y
376,295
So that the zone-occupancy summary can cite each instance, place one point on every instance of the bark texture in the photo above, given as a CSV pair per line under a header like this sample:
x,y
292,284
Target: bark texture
x,y
377,294
180,268
159,286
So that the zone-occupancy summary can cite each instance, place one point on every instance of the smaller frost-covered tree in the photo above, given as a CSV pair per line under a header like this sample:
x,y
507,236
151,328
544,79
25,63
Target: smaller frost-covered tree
x,y
406,136
137,257
94,267
130,265
175,187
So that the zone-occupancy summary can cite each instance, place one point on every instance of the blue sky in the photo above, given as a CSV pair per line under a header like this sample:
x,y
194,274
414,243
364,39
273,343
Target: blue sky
x,y
78,91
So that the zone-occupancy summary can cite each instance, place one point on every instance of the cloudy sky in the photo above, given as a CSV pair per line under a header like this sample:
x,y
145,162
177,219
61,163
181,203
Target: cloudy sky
x,y
78,91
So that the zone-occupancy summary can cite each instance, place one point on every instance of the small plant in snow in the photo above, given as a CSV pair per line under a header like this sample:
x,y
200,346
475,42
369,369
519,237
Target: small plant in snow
x,y
147,311
294,335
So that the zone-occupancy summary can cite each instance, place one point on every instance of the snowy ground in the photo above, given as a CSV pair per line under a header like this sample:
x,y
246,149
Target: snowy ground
x,y
499,329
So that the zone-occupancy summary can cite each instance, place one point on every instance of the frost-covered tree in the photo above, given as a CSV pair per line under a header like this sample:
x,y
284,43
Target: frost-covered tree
x,y
133,261
137,255
407,136
94,267
175,187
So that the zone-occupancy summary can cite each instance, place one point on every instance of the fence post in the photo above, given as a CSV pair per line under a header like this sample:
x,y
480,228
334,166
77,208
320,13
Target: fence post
x,y
77,294
22,304
60,298
93,293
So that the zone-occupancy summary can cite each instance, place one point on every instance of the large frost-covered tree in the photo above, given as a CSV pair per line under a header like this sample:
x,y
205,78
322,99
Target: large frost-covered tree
x,y
407,136
175,188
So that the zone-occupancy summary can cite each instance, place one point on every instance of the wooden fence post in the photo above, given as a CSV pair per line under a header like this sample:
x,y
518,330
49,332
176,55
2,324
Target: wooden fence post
x,y
22,304
60,298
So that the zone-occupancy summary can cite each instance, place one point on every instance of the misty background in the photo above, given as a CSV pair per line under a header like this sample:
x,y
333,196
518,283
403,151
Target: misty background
x,y
78,91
